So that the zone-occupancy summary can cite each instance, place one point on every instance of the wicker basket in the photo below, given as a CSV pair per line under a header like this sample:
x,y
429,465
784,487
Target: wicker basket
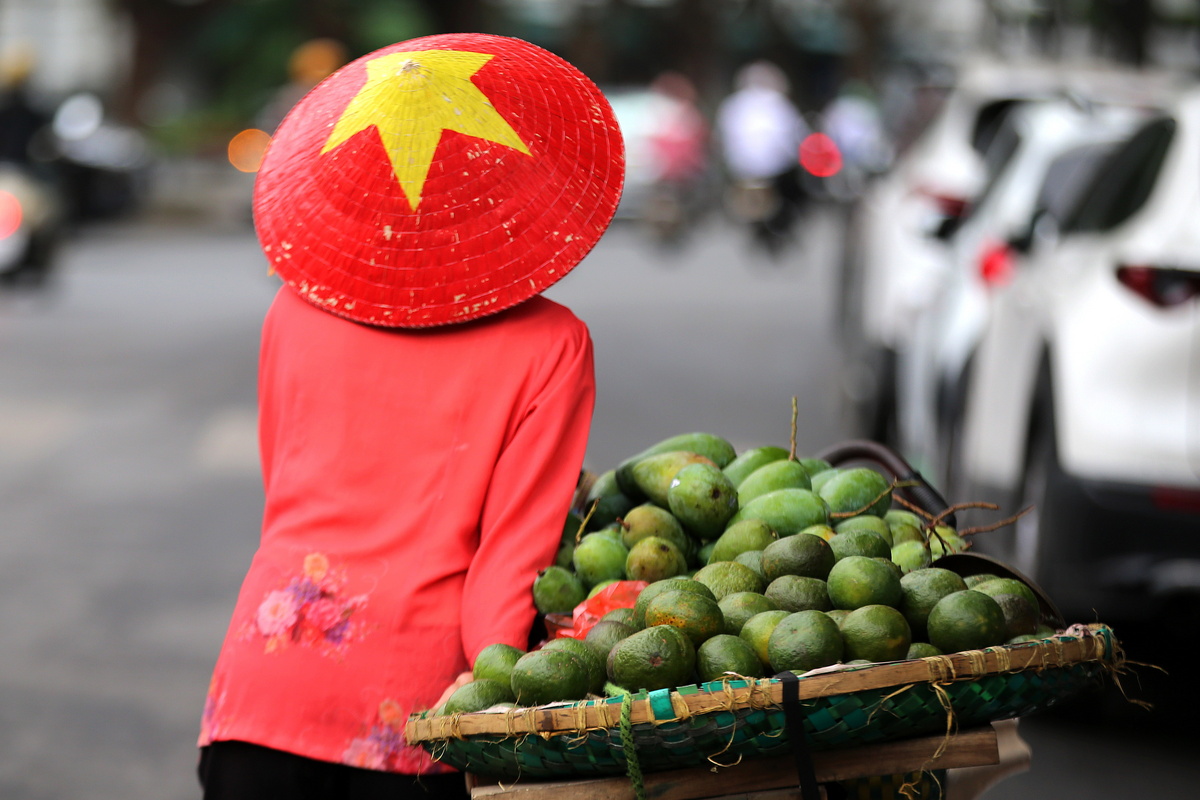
x,y
723,721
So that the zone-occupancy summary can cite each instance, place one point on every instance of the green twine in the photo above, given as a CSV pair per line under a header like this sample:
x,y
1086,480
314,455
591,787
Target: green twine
x,y
631,760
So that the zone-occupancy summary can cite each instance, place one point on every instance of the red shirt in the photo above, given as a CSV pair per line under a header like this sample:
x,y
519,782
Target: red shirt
x,y
415,483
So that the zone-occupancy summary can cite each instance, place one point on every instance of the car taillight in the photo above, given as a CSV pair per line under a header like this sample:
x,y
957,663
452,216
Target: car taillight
x,y
1161,286
10,214
995,264
948,205
1169,498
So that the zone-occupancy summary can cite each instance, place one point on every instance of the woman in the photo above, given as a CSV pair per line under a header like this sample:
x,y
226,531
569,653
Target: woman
x,y
423,411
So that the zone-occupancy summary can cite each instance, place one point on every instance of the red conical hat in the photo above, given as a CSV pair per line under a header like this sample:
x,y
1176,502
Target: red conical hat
x,y
439,180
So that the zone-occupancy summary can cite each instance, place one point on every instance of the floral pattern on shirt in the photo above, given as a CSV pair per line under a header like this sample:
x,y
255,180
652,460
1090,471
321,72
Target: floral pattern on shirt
x,y
311,610
384,747
210,727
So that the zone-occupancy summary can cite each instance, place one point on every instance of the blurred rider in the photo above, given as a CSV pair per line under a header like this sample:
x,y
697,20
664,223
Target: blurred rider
x,y
760,130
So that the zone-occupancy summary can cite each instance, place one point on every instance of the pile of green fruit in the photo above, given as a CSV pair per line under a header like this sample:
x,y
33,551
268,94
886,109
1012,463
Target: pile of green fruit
x,y
756,563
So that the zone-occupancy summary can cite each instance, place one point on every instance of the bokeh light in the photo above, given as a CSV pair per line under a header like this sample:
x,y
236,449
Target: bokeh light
x,y
246,149
820,155
10,214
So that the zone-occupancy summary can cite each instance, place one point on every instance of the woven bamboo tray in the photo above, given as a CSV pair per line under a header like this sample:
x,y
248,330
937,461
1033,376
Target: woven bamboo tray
x,y
724,721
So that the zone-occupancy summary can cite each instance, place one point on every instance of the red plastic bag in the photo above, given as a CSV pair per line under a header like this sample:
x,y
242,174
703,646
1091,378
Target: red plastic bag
x,y
621,594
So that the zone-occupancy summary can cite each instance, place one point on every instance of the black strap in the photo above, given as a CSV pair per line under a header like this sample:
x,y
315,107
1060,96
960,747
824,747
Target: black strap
x,y
793,715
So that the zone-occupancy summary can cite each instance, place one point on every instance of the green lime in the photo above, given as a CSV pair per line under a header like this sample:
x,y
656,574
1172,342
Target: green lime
x,y
860,542
799,593
741,606
868,522
876,633
998,586
922,650
858,581
757,631
910,555
921,589
804,640
800,554
966,620
1020,616
749,534
727,577
726,653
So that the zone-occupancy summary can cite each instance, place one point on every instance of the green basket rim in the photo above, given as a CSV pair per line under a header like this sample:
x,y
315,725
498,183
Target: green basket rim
x,y
1079,644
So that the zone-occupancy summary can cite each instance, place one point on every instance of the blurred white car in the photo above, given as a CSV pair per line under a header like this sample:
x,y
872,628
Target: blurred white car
x,y
1084,397
895,245
934,359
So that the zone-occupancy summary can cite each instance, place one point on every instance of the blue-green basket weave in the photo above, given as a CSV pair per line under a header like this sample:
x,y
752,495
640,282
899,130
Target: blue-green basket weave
x,y
723,721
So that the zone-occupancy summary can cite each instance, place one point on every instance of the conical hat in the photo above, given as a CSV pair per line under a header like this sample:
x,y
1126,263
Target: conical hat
x,y
439,180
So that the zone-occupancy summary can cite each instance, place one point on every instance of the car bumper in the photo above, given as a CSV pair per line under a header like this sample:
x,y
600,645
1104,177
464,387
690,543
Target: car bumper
x,y
1128,552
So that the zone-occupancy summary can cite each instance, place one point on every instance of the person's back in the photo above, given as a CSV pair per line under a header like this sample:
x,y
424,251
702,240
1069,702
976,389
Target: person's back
x,y
759,127
428,510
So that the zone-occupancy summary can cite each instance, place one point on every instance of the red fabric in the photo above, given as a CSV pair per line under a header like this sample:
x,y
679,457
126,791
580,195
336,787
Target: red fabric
x,y
415,483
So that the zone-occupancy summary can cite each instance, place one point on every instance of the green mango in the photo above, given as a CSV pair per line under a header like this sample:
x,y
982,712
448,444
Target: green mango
x,y
605,484
903,532
858,490
703,499
713,447
897,516
648,519
819,478
787,511
775,475
750,460
609,502
869,522
815,465
653,474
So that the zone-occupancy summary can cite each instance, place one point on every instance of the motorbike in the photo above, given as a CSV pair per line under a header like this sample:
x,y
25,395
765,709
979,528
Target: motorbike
x,y
30,220
770,208
81,167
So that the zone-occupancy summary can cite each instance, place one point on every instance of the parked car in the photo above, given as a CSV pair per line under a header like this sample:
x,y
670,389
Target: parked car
x,y
934,359
896,240
1083,402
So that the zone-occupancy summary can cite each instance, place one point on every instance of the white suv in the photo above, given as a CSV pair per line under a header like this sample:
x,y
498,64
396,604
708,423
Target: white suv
x,y
895,243
1084,397
935,359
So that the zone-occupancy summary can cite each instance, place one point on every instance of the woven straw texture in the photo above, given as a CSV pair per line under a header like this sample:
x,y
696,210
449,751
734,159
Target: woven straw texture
x,y
724,721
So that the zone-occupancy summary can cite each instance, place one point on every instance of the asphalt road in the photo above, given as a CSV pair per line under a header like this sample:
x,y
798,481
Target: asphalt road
x,y
129,494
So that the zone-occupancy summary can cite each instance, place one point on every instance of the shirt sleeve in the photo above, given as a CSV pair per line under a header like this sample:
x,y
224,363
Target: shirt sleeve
x,y
527,503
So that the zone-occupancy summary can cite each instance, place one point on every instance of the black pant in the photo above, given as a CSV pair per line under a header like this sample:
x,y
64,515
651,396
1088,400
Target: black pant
x,y
242,771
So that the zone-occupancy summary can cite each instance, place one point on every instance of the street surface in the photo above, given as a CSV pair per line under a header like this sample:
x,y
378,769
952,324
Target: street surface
x,y
129,496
